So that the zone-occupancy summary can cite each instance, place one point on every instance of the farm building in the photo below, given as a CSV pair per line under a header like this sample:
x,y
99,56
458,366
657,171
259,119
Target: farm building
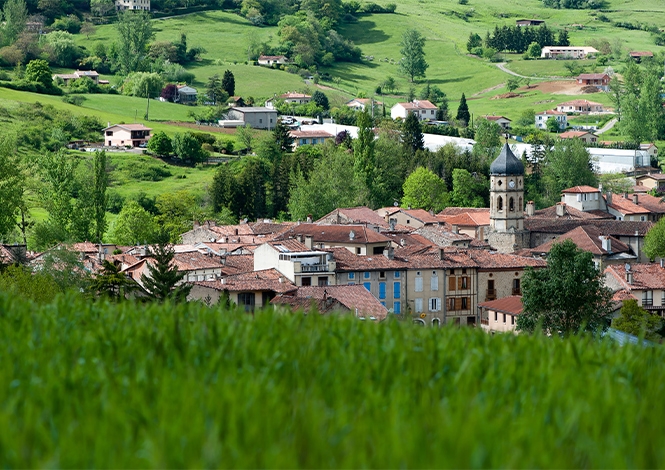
x,y
257,117
580,106
599,80
567,52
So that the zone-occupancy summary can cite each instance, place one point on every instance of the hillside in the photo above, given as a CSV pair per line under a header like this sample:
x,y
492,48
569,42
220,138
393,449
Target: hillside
x,y
148,385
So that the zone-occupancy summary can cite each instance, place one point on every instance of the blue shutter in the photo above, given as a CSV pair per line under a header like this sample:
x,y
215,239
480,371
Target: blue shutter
x,y
382,290
368,286
397,291
397,307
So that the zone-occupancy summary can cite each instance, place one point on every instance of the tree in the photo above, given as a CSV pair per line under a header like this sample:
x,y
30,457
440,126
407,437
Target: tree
x,y
424,190
12,184
412,134
62,48
282,136
563,38
567,164
176,213
163,276
229,83
133,225
469,190
39,71
389,84
111,283
474,41
488,139
552,125
135,32
15,14
413,62
566,297
214,89
143,84
246,136
222,189
101,7
160,144
188,148
169,92
363,150
513,83
463,114
98,197
533,51
321,100
636,321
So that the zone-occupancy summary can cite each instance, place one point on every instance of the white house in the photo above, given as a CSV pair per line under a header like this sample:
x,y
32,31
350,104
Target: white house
x,y
132,5
257,117
580,106
423,109
503,121
126,135
271,60
67,77
561,118
567,52
309,137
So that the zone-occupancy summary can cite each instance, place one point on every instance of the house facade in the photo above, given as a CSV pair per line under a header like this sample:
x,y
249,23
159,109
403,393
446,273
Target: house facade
x,y
309,137
186,95
67,78
500,315
645,282
580,107
423,109
502,121
271,60
121,5
567,52
599,80
126,135
586,137
298,263
257,117
542,118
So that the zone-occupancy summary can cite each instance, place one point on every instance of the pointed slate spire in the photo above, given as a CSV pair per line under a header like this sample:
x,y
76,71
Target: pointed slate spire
x,y
507,163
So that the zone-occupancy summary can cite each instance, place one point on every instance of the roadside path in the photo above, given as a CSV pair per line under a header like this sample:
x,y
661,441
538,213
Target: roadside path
x,y
609,125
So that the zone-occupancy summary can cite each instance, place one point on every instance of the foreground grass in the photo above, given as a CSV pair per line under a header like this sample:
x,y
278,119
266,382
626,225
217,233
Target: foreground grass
x,y
91,385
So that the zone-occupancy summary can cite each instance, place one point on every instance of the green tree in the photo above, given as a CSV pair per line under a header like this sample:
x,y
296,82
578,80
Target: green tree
x,y
12,184
321,100
176,213
246,136
424,190
134,32
412,134
563,40
567,164
469,190
39,71
15,14
389,84
463,114
228,83
533,51
111,283
188,148
163,278
636,321
215,90
99,198
566,297
160,144
222,189
552,125
654,241
143,84
363,150
62,48
20,282
413,62
133,225
474,41
101,7
488,139
282,136
513,83
527,118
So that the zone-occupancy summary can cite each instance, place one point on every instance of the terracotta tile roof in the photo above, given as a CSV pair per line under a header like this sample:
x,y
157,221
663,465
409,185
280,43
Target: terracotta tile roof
x,y
551,112
496,118
646,276
626,206
616,228
580,103
575,134
236,264
511,305
651,203
641,54
586,238
357,234
655,176
581,189
433,259
293,95
130,127
418,104
352,297
463,210
473,219
570,213
358,215
441,236
190,261
487,260
421,215
310,134
269,228
289,245
266,280
640,189
347,261
623,294
306,304
592,76
386,211
409,239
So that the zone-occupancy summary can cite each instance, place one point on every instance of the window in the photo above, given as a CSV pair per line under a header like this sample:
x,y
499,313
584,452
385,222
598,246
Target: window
x,y
434,282
397,290
504,318
465,303
382,290
397,308
358,251
496,317
418,305
512,319
366,274
511,204
396,275
434,304
516,287
419,284
352,275
382,274
464,282
322,281
451,303
647,297
306,281
260,121
247,299
368,286
378,250
499,204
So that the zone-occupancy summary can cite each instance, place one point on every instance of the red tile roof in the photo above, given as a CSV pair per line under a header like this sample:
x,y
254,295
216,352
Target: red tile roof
x,y
511,305
580,103
355,234
592,76
551,112
236,264
347,261
421,215
646,276
616,228
622,295
651,203
310,134
265,280
463,210
575,134
130,127
472,219
194,260
496,118
581,189
655,176
626,206
570,213
358,215
641,54
354,297
418,104
586,238
293,95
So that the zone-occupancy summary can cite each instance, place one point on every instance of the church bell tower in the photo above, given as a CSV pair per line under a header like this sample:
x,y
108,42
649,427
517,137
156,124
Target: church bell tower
x,y
507,232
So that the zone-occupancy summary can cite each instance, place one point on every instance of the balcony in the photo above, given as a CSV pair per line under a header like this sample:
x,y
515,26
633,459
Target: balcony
x,y
491,295
314,268
647,302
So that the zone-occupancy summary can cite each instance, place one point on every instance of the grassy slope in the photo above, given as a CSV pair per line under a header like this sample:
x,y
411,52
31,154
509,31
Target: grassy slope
x,y
86,385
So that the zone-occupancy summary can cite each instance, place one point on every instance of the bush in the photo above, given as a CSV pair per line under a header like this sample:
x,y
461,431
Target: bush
x,y
477,51
114,202
76,100
33,87
69,23
83,85
143,172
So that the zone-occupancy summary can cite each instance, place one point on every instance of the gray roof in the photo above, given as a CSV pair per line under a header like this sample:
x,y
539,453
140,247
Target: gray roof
x,y
507,163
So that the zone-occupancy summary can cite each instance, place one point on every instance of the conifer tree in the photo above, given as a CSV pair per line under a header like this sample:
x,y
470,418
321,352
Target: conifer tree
x,y
463,111
282,136
229,83
412,134
160,283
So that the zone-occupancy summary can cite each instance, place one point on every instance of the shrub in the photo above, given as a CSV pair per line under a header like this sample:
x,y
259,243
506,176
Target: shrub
x,y
76,100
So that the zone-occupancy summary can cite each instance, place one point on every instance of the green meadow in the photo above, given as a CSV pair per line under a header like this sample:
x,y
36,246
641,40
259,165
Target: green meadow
x,y
87,384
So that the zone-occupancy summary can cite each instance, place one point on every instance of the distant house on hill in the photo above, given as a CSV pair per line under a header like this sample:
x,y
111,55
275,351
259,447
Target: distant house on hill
x,y
561,118
257,117
637,56
423,109
567,52
271,60
70,77
587,137
309,137
504,122
186,95
599,80
360,104
126,135
291,97
580,106
132,5
529,22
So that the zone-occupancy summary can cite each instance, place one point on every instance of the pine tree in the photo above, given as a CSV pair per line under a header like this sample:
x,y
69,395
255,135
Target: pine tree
x,y
111,283
229,83
463,114
160,283
412,134
282,136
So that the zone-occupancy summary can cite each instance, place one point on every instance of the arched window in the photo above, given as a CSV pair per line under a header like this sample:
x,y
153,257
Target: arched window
x,y
436,322
511,204
521,206
419,322
499,204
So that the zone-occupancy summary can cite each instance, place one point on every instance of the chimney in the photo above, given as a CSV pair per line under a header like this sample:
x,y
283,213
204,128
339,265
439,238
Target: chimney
x,y
389,252
662,263
606,243
560,209
530,208
635,195
608,198
455,229
629,277
308,241
309,218
393,223
625,195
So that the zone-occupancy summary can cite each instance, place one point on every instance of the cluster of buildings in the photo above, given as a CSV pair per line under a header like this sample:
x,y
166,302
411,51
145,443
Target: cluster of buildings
x,y
461,266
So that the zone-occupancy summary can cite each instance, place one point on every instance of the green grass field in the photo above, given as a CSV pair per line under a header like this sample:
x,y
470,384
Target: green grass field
x,y
84,384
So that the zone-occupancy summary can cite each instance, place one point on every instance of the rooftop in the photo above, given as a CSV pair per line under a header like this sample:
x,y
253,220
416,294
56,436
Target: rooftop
x,y
354,297
507,163
511,305
581,189
646,276
586,238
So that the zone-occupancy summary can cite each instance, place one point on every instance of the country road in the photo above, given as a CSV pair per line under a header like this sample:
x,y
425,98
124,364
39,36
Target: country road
x,y
609,125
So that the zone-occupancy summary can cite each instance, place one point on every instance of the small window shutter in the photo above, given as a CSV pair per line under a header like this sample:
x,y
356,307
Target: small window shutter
x,y
451,283
458,303
419,305
419,284
434,283
459,283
